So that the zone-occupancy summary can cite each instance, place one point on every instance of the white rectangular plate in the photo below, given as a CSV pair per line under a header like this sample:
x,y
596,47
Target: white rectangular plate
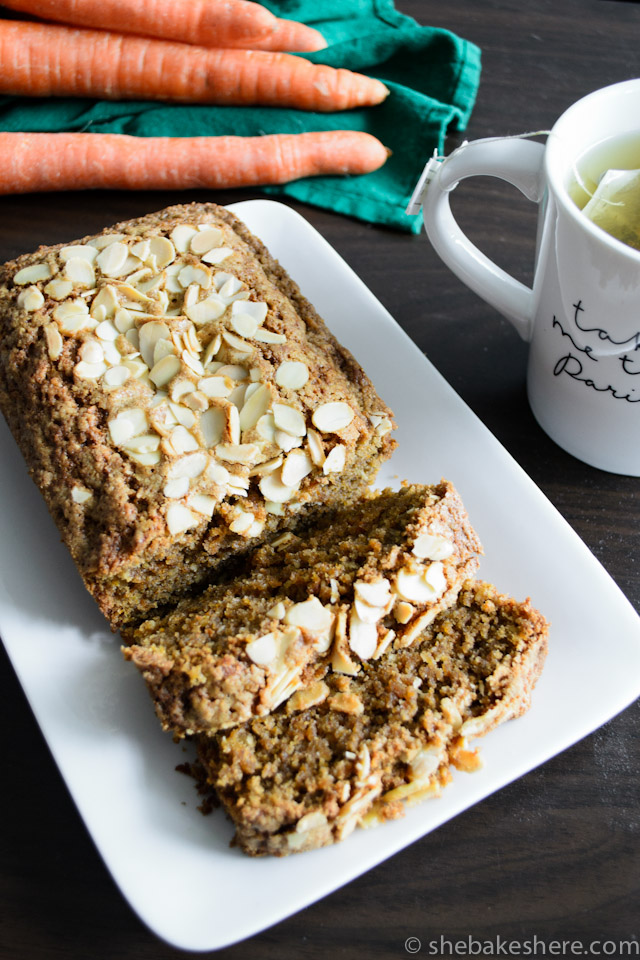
x,y
175,866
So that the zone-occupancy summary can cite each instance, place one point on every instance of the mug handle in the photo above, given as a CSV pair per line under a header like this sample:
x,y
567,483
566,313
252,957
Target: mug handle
x,y
515,160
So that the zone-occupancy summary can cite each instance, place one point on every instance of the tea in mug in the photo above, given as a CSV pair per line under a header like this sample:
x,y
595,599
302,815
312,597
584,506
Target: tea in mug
x,y
607,187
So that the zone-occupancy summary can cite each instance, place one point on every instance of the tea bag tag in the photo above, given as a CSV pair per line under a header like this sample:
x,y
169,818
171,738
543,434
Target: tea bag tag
x,y
430,168
615,206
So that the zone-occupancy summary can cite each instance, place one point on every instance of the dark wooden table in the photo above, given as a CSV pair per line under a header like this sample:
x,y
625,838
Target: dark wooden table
x,y
555,855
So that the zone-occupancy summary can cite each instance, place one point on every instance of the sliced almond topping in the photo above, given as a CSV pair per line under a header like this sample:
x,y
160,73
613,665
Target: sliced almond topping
x,y
277,611
137,368
341,661
233,424
150,333
212,426
106,298
80,494
233,370
255,407
191,466
256,309
165,370
183,415
146,443
180,389
217,255
182,441
58,289
435,577
266,428
54,341
180,518
176,489
242,522
89,371
376,593
268,336
311,615
363,637
82,250
216,386
411,585
107,331
146,459
163,348
238,452
285,441
181,237
80,272
296,467
106,239
116,376
128,423
332,417
123,320
244,325
264,650
204,240
267,466
30,299
272,488
430,546
34,273
289,420
316,450
204,311
335,459
292,374
403,611
192,362
241,348
202,504
141,249
163,250
192,274
112,258
196,401
91,351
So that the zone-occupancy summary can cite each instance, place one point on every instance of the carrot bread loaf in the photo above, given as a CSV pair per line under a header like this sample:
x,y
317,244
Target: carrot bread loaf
x,y
348,751
177,400
356,580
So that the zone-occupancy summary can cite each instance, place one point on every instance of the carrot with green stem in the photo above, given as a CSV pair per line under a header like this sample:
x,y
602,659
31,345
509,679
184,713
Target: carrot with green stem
x,y
42,60
206,22
36,162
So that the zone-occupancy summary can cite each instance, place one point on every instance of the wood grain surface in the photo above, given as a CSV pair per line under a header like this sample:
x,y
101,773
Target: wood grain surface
x,y
555,855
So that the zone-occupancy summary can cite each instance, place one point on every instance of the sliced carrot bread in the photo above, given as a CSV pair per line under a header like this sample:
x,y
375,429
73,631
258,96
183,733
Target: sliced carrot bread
x,y
349,750
355,581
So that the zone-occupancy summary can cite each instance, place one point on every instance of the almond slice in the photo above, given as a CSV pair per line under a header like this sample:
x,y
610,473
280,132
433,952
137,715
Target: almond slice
x,y
332,417
292,374
429,546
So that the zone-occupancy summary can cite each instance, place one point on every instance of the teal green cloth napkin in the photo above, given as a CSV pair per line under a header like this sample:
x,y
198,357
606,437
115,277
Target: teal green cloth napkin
x,y
433,76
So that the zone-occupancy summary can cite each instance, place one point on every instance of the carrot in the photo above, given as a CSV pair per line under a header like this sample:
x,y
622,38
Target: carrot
x,y
42,60
205,22
34,162
288,35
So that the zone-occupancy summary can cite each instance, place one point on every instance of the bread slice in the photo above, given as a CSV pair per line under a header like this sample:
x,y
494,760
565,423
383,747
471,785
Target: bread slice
x,y
336,594
350,751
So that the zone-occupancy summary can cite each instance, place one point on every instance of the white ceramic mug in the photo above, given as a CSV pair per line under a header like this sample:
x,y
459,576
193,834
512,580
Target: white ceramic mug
x,y
582,317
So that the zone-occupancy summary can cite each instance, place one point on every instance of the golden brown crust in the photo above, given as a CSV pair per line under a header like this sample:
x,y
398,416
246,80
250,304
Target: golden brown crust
x,y
297,780
116,524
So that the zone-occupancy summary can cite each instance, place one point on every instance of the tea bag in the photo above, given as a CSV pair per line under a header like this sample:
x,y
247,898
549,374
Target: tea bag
x,y
615,206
